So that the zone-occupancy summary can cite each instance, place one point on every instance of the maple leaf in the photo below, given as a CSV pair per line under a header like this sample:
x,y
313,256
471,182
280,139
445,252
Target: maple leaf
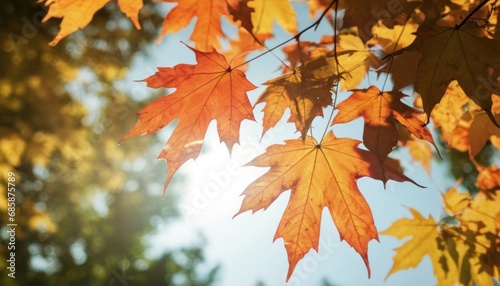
x,y
426,240
483,209
480,131
393,39
461,9
381,111
266,11
465,251
351,62
319,175
302,52
363,15
488,179
240,11
448,112
460,137
131,8
205,91
455,202
207,30
302,92
421,152
474,129
354,60
76,14
477,240
456,54
403,67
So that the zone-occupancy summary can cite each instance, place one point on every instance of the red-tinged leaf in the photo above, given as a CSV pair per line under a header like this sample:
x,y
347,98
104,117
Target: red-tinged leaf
x,y
319,175
380,111
240,11
205,91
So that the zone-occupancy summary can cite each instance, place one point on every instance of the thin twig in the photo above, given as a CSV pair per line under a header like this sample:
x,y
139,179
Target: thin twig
x,y
392,58
296,37
471,13
337,69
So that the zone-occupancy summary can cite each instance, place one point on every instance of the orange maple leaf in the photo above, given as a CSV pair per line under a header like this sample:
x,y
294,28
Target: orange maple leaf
x,y
78,14
488,180
319,175
208,27
205,91
380,111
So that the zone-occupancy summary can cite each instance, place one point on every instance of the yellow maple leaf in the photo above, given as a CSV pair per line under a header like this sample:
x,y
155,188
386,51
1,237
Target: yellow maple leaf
x,y
354,61
351,62
420,151
477,239
426,240
448,112
455,202
78,14
463,248
402,68
266,11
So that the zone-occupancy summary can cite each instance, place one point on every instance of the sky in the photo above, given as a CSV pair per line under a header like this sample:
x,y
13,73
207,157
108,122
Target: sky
x,y
244,245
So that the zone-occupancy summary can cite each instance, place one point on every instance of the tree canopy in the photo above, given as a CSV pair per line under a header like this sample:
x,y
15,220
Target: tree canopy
x,y
422,75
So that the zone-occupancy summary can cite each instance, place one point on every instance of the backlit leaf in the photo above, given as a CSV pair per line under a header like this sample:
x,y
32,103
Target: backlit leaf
x,y
205,91
319,175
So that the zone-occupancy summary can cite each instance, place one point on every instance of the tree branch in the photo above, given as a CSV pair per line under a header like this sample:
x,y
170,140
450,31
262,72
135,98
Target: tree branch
x,y
296,37
471,13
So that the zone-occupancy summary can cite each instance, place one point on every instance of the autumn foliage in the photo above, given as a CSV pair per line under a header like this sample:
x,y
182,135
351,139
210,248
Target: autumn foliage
x,y
447,51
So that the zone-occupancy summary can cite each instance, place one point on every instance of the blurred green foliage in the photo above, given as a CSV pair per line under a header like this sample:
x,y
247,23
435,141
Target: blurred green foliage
x,y
84,204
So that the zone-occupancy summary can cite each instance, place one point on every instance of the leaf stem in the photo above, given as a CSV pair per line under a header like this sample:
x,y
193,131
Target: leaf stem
x,y
392,58
471,13
337,68
295,37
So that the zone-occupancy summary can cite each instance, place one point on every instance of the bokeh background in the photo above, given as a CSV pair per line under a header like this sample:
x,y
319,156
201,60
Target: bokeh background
x,y
90,211
85,205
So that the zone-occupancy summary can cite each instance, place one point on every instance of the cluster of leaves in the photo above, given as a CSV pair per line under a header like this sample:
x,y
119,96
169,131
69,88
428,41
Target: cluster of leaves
x,y
443,49
463,246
